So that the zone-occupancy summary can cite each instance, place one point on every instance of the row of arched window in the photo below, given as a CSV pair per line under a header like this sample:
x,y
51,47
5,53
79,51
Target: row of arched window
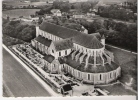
x,y
80,75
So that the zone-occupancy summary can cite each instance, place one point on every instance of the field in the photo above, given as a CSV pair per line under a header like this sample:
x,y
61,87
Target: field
x,y
19,12
128,63
15,3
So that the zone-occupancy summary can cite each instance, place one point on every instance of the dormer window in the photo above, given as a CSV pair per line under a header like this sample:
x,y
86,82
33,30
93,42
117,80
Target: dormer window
x,y
52,51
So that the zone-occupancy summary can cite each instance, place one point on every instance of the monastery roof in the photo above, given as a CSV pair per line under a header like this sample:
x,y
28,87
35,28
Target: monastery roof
x,y
98,36
43,40
48,58
90,68
63,44
88,41
98,60
57,30
98,69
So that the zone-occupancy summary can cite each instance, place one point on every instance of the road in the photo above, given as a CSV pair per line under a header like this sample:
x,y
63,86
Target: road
x,y
18,80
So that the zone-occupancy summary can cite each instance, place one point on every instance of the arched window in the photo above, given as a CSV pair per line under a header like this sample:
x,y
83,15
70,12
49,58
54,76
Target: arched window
x,y
110,75
63,66
100,77
73,72
65,52
78,74
59,53
88,76
52,51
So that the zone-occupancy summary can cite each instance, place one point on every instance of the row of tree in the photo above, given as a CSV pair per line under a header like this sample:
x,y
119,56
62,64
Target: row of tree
x,y
82,6
117,33
66,6
44,10
116,12
130,5
17,30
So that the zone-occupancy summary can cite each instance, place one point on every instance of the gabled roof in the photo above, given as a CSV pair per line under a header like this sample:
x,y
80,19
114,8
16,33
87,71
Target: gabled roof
x,y
43,40
103,37
55,10
63,44
88,41
57,30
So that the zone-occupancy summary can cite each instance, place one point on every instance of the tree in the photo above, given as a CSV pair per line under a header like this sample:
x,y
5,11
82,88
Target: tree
x,y
93,3
95,26
131,37
85,6
77,6
56,4
116,12
27,34
9,30
44,10
102,31
40,20
14,23
3,6
18,29
65,7
119,26
4,21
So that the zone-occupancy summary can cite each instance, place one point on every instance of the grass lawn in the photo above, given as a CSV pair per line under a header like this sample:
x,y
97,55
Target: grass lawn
x,y
128,63
117,89
19,12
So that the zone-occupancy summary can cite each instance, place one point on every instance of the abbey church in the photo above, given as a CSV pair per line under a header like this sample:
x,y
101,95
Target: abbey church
x,y
81,55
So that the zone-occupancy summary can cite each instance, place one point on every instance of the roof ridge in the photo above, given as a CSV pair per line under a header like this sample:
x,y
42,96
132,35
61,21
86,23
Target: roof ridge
x,y
63,27
97,41
67,39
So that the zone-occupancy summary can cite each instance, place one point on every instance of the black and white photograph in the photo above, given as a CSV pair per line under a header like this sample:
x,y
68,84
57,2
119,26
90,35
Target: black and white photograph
x,y
67,48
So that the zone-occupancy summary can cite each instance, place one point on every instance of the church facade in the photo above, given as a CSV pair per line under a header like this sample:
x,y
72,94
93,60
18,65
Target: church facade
x,y
81,55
